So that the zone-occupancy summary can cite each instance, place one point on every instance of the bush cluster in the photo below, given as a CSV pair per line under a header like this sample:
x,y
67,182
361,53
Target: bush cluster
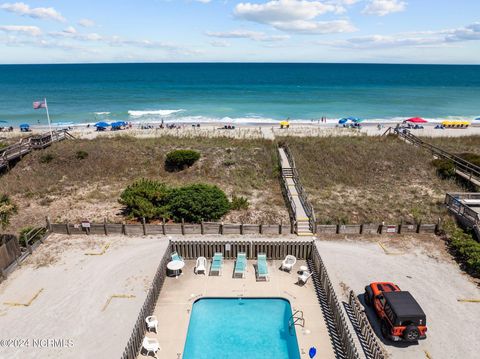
x,y
7,210
47,158
465,248
81,155
180,159
154,200
239,203
446,168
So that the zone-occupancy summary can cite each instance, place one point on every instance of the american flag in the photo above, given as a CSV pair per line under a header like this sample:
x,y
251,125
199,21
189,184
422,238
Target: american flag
x,y
38,105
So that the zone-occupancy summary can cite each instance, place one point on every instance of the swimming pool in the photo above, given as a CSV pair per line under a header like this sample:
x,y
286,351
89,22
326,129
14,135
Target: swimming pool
x,y
243,328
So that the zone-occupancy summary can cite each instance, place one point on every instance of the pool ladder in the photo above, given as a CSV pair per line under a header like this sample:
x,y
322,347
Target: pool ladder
x,y
296,319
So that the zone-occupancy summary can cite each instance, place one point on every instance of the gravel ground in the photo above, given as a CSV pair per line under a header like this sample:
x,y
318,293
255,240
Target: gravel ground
x,y
74,289
433,278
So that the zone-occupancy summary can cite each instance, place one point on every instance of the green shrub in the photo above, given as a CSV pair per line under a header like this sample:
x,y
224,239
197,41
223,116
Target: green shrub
x,y
81,155
7,209
198,202
36,232
3,145
465,248
146,198
239,203
47,158
445,168
180,159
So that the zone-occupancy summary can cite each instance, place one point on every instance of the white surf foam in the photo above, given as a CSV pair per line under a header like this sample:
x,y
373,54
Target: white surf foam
x,y
153,113
102,113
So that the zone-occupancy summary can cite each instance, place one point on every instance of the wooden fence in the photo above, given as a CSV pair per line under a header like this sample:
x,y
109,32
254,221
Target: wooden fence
x,y
135,343
230,249
9,252
327,294
374,349
377,228
169,228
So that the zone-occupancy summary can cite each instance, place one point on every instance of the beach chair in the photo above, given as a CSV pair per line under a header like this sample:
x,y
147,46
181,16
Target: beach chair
x,y
240,266
217,263
262,269
201,265
152,323
151,345
288,263
302,278
176,257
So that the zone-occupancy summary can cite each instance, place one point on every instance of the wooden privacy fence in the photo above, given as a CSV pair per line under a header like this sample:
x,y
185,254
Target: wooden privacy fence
x,y
374,348
135,342
9,252
345,337
230,249
139,229
377,228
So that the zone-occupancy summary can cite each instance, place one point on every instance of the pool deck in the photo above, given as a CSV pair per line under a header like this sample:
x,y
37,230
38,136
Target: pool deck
x,y
178,295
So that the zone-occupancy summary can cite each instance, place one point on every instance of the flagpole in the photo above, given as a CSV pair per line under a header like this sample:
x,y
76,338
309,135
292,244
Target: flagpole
x,y
48,118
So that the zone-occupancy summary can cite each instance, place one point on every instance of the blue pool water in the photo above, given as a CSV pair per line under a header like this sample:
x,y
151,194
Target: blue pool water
x,y
247,328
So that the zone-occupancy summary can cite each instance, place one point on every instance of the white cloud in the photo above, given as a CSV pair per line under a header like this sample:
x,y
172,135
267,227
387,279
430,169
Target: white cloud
x,y
439,38
70,30
26,30
46,13
246,34
384,7
220,43
295,15
86,23
203,1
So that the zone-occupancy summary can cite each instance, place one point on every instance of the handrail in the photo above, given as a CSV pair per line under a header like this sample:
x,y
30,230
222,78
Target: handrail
x,y
294,320
459,162
454,204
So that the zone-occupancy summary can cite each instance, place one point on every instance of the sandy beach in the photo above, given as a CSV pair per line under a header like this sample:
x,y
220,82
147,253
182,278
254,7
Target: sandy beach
x,y
251,131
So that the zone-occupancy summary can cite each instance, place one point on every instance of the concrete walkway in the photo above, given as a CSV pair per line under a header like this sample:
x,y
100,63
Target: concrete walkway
x,y
300,214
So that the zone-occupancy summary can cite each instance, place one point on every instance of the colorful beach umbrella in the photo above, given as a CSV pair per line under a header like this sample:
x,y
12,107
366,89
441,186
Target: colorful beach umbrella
x,y
102,124
417,120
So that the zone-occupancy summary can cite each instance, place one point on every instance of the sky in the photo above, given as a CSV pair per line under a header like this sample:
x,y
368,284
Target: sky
x,y
364,31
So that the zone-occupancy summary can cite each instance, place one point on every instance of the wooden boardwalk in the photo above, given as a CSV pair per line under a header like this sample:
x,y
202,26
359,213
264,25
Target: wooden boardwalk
x,y
299,206
466,207
28,144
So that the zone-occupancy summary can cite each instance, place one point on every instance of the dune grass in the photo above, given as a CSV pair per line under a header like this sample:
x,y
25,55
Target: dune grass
x,y
369,179
59,182
456,144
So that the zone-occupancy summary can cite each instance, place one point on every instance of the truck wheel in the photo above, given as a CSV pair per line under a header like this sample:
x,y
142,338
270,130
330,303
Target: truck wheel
x,y
385,329
411,333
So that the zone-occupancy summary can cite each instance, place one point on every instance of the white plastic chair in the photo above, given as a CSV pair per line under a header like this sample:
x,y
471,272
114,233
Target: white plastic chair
x,y
288,262
151,345
152,323
302,278
201,265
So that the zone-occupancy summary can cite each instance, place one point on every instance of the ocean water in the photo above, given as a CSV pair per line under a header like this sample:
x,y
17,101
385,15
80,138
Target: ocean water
x,y
240,328
236,92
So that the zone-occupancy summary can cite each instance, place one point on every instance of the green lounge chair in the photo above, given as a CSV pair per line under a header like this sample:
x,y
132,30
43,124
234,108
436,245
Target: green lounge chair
x,y
217,263
240,265
262,269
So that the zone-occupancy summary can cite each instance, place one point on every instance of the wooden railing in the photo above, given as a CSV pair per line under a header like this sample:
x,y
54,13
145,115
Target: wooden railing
x,y
230,249
27,144
135,343
472,171
302,195
455,203
369,339
336,318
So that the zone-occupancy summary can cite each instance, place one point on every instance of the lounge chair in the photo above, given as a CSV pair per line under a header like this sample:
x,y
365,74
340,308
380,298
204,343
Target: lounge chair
x,y
240,266
217,263
152,323
201,265
288,263
151,345
262,269
302,278
175,257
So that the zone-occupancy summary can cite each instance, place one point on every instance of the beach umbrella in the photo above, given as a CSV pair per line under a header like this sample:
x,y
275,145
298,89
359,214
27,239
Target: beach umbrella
x,y
102,124
417,120
343,120
477,119
354,119
24,125
1,121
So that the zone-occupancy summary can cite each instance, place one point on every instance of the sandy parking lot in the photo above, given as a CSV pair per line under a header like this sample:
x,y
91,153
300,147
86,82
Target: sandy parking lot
x,y
73,290
428,272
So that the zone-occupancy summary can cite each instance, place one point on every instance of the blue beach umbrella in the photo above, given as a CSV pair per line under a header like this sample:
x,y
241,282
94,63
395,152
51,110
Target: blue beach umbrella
x,y
24,125
1,121
102,124
343,120
477,119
